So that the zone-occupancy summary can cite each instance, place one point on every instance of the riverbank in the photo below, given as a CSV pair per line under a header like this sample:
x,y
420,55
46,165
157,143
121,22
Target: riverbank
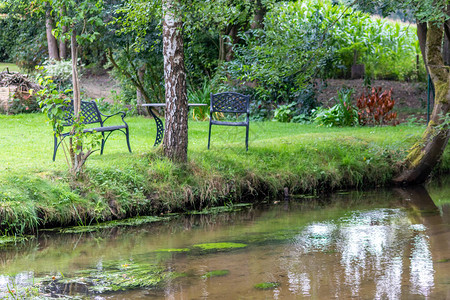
x,y
36,192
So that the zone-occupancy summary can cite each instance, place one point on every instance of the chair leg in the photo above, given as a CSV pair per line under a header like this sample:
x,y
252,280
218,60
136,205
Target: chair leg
x,y
103,143
128,139
55,146
209,135
246,138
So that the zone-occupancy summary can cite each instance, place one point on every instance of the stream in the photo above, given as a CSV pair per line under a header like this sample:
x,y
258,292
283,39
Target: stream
x,y
381,244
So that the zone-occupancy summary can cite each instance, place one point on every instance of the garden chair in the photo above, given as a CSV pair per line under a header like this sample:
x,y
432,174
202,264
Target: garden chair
x,y
230,102
92,115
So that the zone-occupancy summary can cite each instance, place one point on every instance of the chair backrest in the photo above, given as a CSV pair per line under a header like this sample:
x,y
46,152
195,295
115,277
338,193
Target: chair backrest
x,y
230,102
89,112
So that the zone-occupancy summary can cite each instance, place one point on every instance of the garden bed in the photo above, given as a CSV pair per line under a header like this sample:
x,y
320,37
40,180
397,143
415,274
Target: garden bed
x,y
410,97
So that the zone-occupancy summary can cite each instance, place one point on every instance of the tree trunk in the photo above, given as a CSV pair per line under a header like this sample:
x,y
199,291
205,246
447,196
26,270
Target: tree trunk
x,y
63,45
51,40
62,41
77,153
176,130
260,13
232,39
422,36
221,48
140,99
75,81
427,152
446,49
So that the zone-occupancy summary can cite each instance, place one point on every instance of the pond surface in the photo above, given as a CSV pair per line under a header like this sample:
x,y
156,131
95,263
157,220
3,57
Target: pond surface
x,y
389,244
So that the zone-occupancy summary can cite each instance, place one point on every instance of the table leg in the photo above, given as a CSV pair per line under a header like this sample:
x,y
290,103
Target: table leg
x,y
159,127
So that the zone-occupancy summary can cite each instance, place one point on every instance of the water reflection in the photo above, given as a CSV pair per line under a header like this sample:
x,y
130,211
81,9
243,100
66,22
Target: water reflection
x,y
370,245
367,246
422,272
390,248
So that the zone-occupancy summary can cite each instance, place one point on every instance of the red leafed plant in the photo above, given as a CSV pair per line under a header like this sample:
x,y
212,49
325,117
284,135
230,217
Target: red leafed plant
x,y
375,107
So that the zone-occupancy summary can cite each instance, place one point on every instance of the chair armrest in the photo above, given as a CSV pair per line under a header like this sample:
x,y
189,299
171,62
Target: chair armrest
x,y
122,113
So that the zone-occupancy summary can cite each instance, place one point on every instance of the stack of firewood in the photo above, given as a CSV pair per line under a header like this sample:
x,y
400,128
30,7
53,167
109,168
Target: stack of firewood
x,y
14,85
17,81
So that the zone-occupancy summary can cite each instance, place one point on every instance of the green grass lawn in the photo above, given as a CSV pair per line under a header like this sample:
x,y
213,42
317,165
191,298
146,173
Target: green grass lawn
x,y
304,158
27,144
12,67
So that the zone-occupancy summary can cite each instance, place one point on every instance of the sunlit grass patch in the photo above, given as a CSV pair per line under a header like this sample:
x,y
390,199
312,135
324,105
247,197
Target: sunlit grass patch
x,y
9,66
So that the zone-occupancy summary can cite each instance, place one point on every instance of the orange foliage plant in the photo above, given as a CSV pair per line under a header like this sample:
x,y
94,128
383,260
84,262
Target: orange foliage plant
x,y
375,107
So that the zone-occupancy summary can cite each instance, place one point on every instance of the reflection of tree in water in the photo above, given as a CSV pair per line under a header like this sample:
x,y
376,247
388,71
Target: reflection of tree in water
x,y
381,252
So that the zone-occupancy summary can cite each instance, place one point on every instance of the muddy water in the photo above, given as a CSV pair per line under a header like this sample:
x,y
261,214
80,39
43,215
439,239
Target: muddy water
x,y
390,244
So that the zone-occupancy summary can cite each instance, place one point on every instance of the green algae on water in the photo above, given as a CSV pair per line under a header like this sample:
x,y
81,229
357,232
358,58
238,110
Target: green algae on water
x,y
216,273
137,221
267,285
219,246
221,209
170,250
116,276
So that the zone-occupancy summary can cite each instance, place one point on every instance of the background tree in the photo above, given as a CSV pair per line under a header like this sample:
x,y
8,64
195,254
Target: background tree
x,y
76,22
136,54
433,30
176,128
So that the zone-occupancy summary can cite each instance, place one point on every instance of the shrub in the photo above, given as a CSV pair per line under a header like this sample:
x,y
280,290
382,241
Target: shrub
x,y
60,71
200,95
284,113
375,107
341,114
23,102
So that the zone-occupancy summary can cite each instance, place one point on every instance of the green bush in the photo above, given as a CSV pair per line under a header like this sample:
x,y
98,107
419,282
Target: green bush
x,y
284,113
344,113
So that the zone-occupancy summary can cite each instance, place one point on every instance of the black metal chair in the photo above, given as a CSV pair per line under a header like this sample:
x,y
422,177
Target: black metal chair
x,y
230,102
92,115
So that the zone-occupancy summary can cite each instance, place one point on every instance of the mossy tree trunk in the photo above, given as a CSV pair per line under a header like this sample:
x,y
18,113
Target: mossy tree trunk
x,y
427,152
175,141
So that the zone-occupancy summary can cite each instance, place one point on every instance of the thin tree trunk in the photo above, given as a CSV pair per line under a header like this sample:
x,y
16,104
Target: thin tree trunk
x,y
221,48
75,81
140,99
77,153
426,153
51,40
176,129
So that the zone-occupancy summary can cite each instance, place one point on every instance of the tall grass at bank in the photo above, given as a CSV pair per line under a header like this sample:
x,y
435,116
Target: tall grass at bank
x,y
36,192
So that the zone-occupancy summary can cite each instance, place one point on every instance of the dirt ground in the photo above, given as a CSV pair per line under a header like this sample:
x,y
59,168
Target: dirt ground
x,y
99,86
410,97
